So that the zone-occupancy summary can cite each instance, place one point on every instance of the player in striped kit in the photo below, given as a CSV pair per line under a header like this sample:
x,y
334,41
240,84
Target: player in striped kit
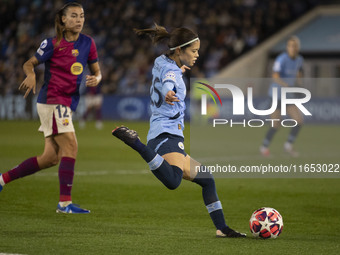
x,y
65,57
164,151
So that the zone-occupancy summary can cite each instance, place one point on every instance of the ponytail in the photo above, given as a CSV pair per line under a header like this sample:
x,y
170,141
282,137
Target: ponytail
x,y
178,38
59,27
156,34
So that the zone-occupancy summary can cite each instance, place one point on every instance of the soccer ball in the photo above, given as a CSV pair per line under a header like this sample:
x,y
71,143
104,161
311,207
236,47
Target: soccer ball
x,y
266,223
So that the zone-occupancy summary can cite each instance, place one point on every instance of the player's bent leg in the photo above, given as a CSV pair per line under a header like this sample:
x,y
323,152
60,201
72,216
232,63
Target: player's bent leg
x,y
170,175
264,148
32,165
295,114
50,156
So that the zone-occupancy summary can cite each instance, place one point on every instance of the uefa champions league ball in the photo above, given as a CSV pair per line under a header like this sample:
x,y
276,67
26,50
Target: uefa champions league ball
x,y
266,223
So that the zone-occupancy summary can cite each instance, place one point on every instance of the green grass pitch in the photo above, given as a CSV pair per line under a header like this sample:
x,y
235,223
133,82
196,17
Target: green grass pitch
x,y
132,213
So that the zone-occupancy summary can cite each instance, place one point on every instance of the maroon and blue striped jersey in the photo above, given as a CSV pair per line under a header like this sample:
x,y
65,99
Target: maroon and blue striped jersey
x,y
64,69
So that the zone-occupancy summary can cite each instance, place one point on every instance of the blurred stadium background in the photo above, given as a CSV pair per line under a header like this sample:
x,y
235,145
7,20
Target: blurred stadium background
x,y
239,38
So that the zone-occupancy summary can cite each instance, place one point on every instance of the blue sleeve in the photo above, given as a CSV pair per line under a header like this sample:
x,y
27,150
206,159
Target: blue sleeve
x,y
278,64
168,82
45,51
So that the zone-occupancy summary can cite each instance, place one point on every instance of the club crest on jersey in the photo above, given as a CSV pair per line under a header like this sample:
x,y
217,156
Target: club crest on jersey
x,y
75,52
181,145
179,127
77,68
65,122
43,44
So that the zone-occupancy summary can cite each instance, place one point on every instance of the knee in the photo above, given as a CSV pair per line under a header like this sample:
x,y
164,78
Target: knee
x,y
174,182
51,163
70,150
54,161
173,185
46,162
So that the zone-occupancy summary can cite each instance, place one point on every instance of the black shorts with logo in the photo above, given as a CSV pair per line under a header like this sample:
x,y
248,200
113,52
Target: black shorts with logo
x,y
167,143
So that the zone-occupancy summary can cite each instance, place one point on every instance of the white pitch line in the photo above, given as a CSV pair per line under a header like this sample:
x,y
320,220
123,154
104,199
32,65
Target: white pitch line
x,y
100,172
11,254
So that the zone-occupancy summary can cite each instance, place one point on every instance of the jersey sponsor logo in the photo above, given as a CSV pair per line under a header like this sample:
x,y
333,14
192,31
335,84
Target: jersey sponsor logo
x,y
181,145
170,76
63,48
43,44
77,68
75,52
40,52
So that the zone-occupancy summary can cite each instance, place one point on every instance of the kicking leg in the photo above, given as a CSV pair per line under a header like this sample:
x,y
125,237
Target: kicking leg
x,y
168,172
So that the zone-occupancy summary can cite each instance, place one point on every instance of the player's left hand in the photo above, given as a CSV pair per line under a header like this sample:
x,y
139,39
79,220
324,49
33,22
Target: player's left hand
x,y
91,81
184,68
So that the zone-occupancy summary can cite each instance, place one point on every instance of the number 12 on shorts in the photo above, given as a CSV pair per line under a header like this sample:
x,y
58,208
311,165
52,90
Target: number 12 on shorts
x,y
65,114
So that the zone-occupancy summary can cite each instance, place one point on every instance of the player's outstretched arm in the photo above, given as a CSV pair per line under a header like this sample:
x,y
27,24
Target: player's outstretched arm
x,y
29,83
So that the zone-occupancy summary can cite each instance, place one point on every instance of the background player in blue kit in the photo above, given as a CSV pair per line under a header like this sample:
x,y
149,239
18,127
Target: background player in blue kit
x,y
286,70
164,151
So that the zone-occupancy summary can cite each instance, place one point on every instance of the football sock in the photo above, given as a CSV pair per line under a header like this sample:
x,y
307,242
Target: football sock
x,y
169,175
98,114
28,167
2,183
66,173
214,206
269,136
293,134
65,203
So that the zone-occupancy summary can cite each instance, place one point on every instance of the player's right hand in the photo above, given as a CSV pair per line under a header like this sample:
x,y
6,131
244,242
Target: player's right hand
x,y
171,97
28,84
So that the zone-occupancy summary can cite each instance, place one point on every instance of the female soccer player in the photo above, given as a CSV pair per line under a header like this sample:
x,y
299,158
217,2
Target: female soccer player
x,y
287,67
65,57
164,151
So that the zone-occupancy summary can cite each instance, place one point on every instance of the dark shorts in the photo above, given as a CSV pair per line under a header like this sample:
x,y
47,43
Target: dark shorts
x,y
167,143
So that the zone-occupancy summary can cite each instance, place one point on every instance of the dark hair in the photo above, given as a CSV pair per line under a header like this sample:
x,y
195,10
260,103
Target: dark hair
x,y
58,21
176,38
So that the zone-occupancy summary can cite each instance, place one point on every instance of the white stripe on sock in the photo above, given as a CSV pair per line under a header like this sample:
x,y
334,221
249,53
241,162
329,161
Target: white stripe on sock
x,y
2,183
214,206
156,162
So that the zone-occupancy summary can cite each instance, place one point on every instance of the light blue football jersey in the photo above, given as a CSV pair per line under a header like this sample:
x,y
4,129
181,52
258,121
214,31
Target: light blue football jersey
x,y
166,118
288,69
